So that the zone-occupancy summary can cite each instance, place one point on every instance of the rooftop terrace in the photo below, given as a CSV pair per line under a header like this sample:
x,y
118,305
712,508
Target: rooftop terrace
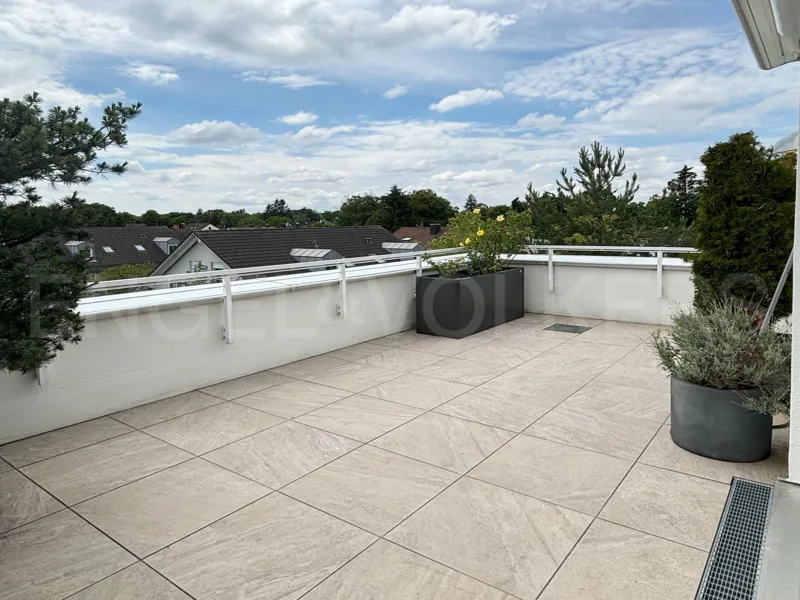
x,y
515,463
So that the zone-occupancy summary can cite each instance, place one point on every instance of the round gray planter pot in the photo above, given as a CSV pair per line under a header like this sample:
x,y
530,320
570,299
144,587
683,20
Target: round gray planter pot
x,y
712,423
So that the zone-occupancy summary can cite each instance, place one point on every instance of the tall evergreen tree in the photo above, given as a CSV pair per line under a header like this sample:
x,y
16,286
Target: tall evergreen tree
x,y
41,281
745,223
471,203
396,210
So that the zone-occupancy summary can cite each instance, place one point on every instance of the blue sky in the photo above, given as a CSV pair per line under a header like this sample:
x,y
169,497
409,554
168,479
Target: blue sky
x,y
314,100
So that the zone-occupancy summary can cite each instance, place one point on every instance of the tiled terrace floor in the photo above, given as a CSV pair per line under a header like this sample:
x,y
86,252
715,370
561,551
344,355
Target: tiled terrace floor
x,y
517,463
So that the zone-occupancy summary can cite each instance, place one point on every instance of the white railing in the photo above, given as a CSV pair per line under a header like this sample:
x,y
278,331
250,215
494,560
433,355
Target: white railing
x,y
658,251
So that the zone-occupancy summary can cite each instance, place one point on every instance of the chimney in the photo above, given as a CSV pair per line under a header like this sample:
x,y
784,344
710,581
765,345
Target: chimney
x,y
436,228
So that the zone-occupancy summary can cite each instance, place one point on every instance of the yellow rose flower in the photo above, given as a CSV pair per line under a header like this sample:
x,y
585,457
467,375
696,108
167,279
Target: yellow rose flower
x,y
468,240
461,244
500,219
477,211
480,232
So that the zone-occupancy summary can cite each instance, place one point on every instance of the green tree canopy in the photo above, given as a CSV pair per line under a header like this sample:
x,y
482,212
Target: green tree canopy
x,y
41,282
358,210
279,208
429,207
745,222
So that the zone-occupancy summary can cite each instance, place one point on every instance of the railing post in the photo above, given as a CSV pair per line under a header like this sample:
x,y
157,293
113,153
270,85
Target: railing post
x,y
551,284
419,266
228,310
342,308
660,273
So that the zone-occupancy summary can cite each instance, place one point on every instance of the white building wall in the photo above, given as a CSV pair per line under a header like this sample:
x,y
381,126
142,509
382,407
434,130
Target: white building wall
x,y
198,251
126,361
606,292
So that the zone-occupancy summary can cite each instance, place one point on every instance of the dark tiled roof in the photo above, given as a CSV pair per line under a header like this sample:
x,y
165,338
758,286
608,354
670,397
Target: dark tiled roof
x,y
263,247
422,235
123,240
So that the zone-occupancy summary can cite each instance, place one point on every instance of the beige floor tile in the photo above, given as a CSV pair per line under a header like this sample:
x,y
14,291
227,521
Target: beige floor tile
x,y
386,571
22,501
496,353
681,508
468,372
93,470
540,384
415,390
235,388
548,320
447,442
398,340
4,466
531,340
152,513
617,333
309,366
502,538
398,359
556,363
290,400
352,353
138,582
647,378
360,417
662,452
615,563
281,454
602,354
616,435
643,356
208,429
620,400
444,346
498,407
163,410
354,377
53,443
570,477
56,556
371,488
274,549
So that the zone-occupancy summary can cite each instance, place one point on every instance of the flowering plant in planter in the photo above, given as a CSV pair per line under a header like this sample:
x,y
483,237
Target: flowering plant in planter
x,y
489,243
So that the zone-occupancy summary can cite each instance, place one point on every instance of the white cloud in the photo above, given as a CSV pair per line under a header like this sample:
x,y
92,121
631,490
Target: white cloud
x,y
466,98
215,133
396,92
299,118
541,122
293,81
151,73
312,132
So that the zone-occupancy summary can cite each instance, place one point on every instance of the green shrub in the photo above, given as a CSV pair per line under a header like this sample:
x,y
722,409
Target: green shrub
x,y
720,346
744,223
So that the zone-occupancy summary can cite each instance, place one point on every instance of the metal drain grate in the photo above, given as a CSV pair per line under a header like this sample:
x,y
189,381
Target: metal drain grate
x,y
564,328
734,563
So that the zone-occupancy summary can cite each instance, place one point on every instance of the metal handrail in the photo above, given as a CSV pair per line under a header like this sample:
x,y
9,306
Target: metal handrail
x,y
621,249
104,286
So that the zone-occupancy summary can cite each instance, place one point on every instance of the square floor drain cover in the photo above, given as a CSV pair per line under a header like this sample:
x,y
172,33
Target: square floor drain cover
x,y
564,328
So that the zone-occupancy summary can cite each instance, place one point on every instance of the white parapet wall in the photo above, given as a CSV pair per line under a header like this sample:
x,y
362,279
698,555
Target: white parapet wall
x,y
134,357
144,346
615,288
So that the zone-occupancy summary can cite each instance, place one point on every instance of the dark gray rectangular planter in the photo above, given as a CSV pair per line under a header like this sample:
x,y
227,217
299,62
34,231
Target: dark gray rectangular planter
x,y
712,423
456,308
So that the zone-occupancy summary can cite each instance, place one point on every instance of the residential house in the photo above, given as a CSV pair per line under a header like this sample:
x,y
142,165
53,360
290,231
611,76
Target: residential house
x,y
422,235
200,227
115,246
235,248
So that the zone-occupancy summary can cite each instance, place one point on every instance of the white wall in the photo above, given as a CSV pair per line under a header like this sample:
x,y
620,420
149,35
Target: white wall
x,y
198,251
607,292
126,361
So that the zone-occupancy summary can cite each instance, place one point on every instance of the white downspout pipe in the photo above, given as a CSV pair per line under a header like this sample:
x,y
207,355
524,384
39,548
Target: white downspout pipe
x,y
794,422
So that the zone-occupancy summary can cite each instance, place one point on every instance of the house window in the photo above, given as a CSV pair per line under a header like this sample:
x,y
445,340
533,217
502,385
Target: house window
x,y
91,252
108,249
139,247
172,248
217,266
